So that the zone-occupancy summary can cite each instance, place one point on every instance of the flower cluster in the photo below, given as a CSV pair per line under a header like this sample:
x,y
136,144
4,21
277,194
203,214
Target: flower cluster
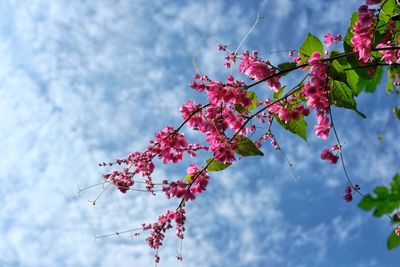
x,y
196,182
329,39
160,227
389,55
257,69
348,196
169,146
363,31
316,94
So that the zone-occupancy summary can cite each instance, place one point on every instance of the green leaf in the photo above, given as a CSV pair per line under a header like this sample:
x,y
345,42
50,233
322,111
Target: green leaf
x,y
369,84
381,192
254,103
342,95
286,66
311,44
298,127
337,73
352,81
367,203
188,178
215,166
348,47
342,72
246,147
278,94
393,240
389,85
386,200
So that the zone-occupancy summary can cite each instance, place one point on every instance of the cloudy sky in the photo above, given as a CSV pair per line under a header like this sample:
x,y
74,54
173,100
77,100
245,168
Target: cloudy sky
x,y
83,82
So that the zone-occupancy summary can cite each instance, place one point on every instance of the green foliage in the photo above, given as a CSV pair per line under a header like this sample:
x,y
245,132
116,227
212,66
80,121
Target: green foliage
x,y
347,39
311,44
254,102
287,66
342,96
367,83
385,201
392,72
298,127
246,147
215,166
278,94
188,178
393,241
340,69
396,111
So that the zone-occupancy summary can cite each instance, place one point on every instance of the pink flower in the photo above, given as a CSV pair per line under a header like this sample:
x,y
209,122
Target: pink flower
x,y
258,70
397,231
363,30
329,156
329,39
323,127
373,2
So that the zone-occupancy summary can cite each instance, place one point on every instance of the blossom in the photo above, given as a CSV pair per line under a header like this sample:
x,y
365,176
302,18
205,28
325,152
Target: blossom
x,y
329,39
323,127
329,156
258,70
363,30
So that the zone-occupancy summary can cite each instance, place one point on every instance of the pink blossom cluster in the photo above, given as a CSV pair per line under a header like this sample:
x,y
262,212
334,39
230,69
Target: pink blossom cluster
x,y
160,227
363,31
196,183
316,94
230,59
169,146
257,69
348,194
122,180
286,111
389,55
327,154
397,231
219,115
329,39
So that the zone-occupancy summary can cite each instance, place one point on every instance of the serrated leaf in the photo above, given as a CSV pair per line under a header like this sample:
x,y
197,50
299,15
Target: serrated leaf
x,y
311,44
215,166
298,127
393,241
367,203
246,147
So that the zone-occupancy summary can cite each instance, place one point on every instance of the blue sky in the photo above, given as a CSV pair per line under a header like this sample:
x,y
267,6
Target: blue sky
x,y
89,81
